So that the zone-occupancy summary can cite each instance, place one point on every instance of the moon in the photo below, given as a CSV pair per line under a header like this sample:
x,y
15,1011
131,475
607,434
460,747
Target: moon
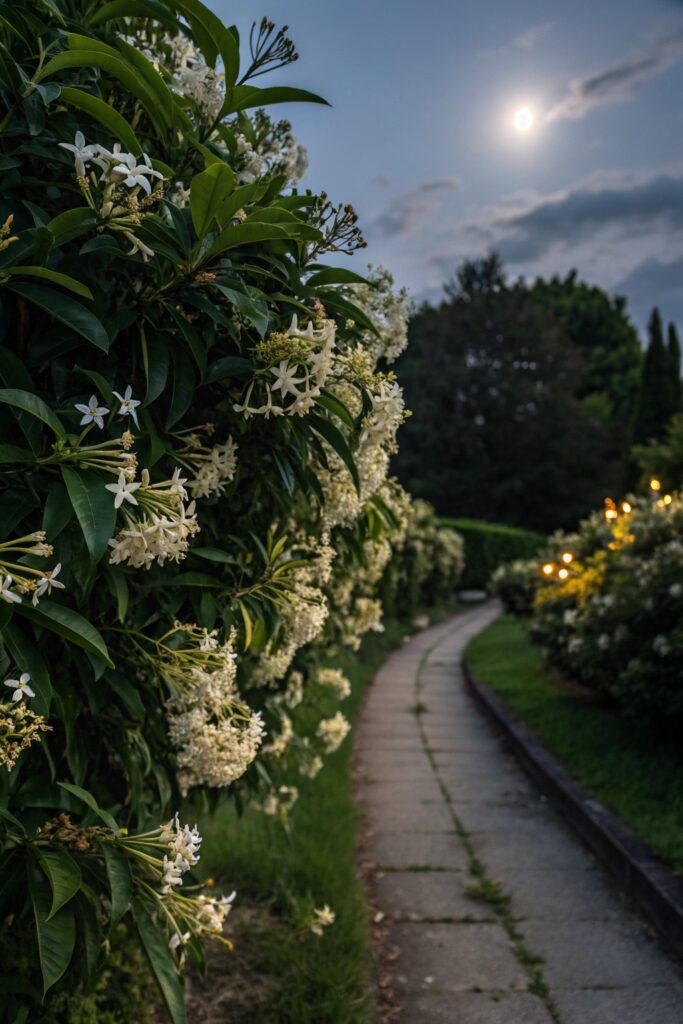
x,y
523,119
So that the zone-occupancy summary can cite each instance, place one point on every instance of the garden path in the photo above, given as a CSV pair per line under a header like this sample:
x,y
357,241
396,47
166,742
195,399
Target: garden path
x,y
497,912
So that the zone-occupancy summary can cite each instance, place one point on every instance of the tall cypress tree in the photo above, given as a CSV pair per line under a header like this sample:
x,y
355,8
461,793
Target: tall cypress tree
x,y
674,354
653,409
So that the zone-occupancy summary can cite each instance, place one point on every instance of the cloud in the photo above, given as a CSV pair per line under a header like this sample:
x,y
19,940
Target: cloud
x,y
622,205
412,209
618,82
655,281
380,181
526,40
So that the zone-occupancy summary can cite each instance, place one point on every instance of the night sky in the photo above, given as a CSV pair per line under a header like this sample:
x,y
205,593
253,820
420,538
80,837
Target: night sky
x,y
420,136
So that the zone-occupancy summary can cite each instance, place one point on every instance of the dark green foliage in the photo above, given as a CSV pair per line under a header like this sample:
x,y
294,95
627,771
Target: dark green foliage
x,y
597,324
654,408
489,545
673,349
664,459
518,418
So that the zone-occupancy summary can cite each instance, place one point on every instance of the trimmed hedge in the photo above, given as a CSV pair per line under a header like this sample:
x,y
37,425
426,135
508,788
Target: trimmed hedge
x,y
488,545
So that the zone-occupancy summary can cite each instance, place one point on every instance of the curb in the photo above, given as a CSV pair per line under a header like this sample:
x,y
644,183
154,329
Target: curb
x,y
651,885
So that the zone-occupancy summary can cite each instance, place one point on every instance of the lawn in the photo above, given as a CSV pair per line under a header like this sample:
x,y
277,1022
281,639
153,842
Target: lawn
x,y
633,770
284,973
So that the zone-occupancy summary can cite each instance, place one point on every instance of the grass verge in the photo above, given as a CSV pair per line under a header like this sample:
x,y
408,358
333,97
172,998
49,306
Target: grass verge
x,y
280,973
631,769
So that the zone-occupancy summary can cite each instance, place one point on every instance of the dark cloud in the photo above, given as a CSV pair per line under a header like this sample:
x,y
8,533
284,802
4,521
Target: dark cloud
x,y
412,209
617,82
655,281
581,213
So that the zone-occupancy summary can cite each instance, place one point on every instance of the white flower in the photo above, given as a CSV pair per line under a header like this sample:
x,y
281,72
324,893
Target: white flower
x,y
173,873
661,646
6,594
676,589
92,413
47,581
82,153
123,490
136,174
128,404
286,379
138,246
323,917
20,686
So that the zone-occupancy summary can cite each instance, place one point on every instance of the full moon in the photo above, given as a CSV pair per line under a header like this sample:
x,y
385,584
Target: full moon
x,y
523,119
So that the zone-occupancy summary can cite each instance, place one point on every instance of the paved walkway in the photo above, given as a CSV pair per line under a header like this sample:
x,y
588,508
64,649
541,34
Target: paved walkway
x,y
500,915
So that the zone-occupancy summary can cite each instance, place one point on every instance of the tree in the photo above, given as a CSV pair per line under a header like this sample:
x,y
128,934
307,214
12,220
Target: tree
x,y
600,328
674,353
654,407
499,429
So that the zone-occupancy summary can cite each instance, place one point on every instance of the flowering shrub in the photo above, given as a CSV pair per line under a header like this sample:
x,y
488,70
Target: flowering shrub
x,y
608,603
194,435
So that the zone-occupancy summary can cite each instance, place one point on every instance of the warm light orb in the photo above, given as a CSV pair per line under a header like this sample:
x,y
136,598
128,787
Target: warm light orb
x,y
626,507
523,119
567,557
548,569
563,573
655,484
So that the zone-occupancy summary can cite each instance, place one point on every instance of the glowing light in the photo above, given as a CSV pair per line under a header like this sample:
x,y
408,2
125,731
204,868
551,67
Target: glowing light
x,y
523,119
563,573
655,484
610,513
626,507
667,499
567,557
548,569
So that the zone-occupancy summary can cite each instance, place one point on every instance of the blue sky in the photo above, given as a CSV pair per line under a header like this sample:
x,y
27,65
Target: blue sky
x,y
419,137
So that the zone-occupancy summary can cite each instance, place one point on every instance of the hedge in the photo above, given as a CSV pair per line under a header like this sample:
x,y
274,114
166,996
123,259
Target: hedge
x,y
488,545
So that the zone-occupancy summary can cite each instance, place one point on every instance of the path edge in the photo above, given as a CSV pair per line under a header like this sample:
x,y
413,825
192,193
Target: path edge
x,y
646,880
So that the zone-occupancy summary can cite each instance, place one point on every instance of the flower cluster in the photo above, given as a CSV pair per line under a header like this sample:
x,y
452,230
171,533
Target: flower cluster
x,y
165,524
608,603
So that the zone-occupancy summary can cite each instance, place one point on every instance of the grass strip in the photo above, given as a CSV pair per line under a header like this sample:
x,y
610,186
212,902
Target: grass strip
x,y
295,976
632,768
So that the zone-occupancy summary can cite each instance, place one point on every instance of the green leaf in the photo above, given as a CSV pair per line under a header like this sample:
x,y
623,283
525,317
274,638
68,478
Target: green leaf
x,y
183,388
72,223
98,380
8,816
105,114
191,336
90,801
245,234
51,275
63,874
56,935
244,97
57,511
66,310
253,310
156,358
68,624
207,192
35,406
334,275
227,366
215,555
120,881
10,453
28,658
155,944
119,586
212,37
336,439
94,508
189,579
131,9
335,406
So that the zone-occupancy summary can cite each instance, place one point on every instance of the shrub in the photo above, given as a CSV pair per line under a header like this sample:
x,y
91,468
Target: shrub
x,y
488,545
515,583
608,605
195,436
426,566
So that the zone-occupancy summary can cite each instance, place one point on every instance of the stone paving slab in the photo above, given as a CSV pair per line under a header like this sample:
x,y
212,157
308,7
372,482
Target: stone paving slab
x,y
479,1008
437,850
457,958
438,790
426,894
